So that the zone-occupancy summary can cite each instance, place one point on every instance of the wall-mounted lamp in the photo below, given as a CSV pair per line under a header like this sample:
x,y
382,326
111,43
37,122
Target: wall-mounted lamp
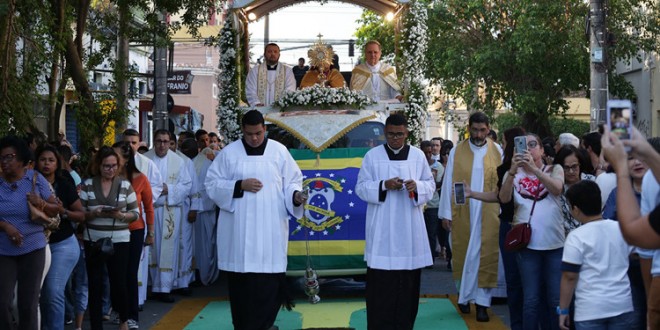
x,y
252,16
389,17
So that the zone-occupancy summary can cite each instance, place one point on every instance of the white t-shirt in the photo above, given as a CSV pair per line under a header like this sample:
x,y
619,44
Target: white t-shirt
x,y
650,198
606,182
603,288
547,221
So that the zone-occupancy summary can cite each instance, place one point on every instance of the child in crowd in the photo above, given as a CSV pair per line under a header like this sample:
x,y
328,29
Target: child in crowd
x,y
594,266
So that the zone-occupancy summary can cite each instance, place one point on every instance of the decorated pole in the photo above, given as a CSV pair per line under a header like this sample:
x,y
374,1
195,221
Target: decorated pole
x,y
413,44
228,80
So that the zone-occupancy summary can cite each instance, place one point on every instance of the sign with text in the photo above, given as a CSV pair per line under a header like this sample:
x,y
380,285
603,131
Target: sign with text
x,y
178,82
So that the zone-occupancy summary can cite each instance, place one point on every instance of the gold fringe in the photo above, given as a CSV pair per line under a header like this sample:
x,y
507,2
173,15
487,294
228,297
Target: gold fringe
x,y
332,139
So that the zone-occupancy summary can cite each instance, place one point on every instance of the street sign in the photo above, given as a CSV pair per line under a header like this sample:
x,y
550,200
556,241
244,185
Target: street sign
x,y
178,82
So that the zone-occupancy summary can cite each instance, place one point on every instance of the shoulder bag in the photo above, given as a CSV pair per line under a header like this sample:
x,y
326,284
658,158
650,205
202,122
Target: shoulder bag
x,y
519,235
38,215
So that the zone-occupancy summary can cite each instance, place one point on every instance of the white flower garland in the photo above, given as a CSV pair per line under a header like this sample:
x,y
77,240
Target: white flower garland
x,y
319,97
228,105
414,44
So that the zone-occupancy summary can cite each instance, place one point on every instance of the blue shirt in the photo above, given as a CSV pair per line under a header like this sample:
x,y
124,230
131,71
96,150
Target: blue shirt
x,y
14,210
609,211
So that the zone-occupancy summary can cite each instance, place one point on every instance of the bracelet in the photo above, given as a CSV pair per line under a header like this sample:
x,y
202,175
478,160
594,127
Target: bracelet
x,y
561,311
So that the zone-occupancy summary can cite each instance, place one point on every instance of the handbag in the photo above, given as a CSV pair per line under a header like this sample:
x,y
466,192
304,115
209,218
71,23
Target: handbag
x,y
519,235
38,215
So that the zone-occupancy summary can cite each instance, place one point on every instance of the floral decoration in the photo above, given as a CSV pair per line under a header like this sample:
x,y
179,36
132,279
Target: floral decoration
x,y
318,96
414,42
228,105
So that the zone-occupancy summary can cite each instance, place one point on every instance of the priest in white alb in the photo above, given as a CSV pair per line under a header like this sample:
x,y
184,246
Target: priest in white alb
x,y
395,181
376,79
191,206
256,183
206,253
177,183
267,82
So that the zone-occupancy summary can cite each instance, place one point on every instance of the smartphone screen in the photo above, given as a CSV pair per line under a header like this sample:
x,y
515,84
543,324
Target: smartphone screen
x,y
459,193
619,118
520,143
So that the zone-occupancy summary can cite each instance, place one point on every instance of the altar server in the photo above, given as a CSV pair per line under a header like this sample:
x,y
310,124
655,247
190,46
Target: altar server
x,y
395,181
256,183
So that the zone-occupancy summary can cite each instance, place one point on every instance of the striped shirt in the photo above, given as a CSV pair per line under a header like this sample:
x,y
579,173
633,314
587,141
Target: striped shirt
x,y
121,195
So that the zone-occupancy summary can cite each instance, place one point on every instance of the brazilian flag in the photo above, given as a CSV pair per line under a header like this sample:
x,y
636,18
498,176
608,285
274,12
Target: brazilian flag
x,y
333,225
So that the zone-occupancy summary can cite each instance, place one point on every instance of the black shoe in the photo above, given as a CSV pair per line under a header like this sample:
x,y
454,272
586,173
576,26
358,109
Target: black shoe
x,y
165,297
464,308
482,314
449,265
186,292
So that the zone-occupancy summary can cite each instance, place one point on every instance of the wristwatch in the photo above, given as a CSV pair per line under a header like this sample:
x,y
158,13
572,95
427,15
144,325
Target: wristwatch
x,y
562,311
151,234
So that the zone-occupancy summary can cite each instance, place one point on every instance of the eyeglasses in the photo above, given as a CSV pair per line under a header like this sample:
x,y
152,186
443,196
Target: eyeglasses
x,y
532,144
107,167
572,168
7,158
161,141
395,135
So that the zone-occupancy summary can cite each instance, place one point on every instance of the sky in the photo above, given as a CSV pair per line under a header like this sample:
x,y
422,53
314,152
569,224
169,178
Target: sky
x,y
303,22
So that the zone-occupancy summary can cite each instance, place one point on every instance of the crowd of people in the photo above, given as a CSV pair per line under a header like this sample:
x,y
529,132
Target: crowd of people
x,y
580,269
146,206
90,239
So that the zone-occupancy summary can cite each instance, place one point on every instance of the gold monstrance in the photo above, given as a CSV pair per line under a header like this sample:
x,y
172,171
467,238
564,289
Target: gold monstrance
x,y
320,56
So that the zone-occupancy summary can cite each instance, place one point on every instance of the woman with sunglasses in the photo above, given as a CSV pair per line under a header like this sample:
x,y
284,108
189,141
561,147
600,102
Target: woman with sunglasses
x,y
22,241
64,246
110,204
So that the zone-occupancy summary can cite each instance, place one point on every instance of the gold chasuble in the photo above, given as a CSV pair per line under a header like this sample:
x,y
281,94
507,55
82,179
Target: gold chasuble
x,y
490,224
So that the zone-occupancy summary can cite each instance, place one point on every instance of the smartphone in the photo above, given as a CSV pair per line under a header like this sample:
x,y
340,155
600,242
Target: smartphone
x,y
520,144
108,209
619,118
459,193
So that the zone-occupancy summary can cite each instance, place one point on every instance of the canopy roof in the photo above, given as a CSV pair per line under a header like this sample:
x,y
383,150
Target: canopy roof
x,y
262,7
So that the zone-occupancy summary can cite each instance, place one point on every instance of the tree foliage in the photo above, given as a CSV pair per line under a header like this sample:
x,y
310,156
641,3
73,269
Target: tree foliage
x,y
525,55
46,44
374,27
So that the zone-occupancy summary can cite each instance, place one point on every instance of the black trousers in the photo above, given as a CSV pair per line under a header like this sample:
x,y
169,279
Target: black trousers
x,y
255,299
392,298
134,253
117,269
25,271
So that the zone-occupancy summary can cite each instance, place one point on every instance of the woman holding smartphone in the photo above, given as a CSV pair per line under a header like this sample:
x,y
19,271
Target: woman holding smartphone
x,y
110,204
535,190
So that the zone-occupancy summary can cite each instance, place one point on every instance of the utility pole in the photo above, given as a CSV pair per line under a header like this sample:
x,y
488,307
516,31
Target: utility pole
x,y
598,40
160,78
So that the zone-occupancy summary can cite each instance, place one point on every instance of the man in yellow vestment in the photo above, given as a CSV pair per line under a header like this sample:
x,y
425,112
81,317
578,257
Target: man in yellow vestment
x,y
474,225
377,80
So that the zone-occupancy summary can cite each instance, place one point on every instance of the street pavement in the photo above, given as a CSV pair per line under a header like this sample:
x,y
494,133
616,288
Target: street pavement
x,y
435,282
